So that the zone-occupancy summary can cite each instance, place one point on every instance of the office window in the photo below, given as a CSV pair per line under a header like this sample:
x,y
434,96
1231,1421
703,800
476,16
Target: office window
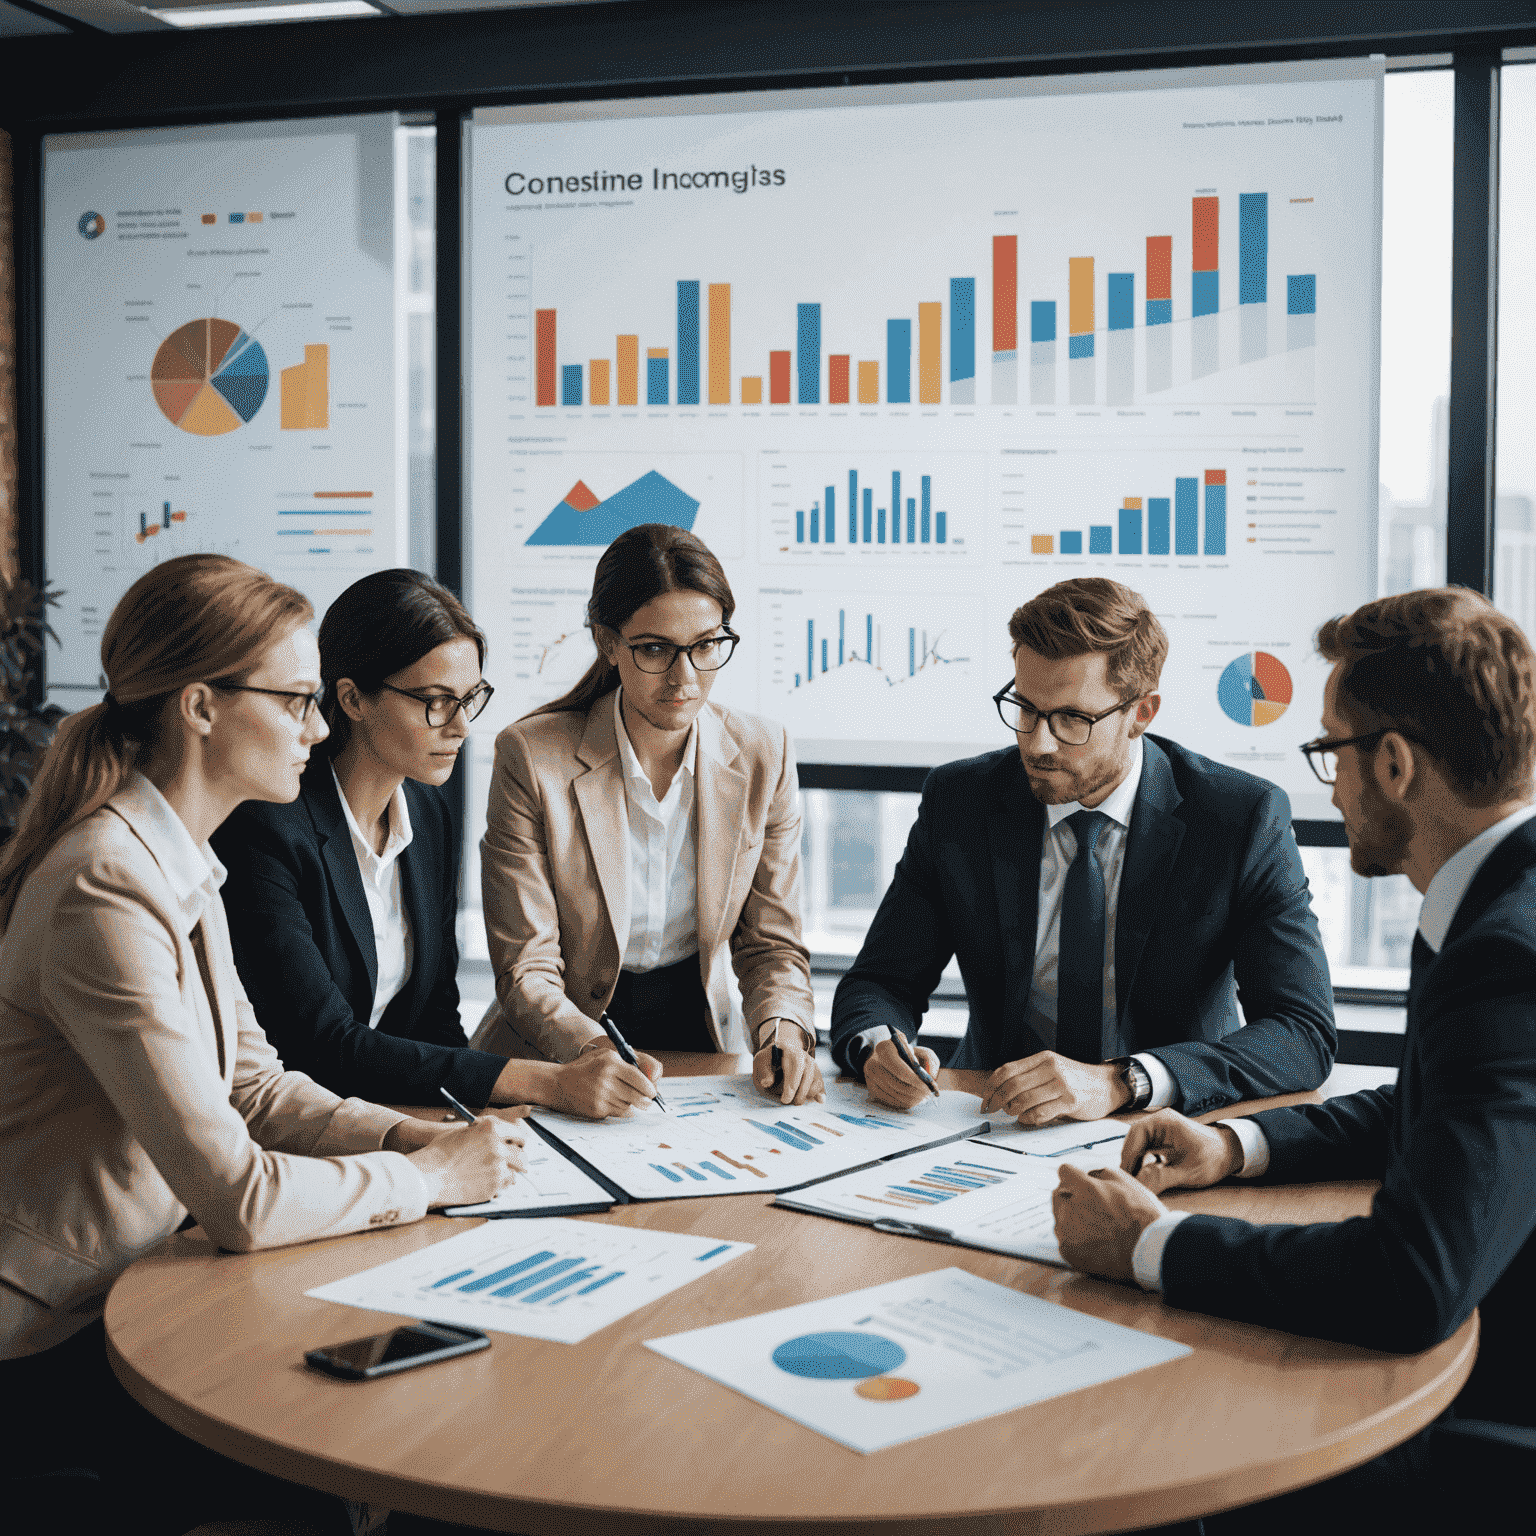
x,y
416,324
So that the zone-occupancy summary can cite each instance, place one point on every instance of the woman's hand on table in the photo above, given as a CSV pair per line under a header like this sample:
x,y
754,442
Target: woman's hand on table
x,y
599,1084
796,1078
465,1164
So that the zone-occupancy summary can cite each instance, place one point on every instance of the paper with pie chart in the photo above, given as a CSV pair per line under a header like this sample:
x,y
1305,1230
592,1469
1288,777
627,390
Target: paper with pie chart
x,y
877,1367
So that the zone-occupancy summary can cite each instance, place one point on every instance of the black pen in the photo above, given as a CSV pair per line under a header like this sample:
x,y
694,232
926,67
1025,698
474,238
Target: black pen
x,y
458,1108
904,1050
626,1051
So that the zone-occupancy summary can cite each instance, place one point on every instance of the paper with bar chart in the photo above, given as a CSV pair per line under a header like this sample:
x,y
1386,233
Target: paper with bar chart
x,y
546,1278
220,363
550,1184
721,1136
888,1364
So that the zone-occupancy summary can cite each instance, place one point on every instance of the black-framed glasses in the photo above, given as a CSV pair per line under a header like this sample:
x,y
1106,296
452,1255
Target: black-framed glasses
x,y
1322,755
300,705
1070,727
709,655
442,707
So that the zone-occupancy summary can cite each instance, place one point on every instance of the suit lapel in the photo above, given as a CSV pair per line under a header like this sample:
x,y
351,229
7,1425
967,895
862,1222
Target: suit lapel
x,y
1015,827
419,864
604,818
324,803
1151,847
719,804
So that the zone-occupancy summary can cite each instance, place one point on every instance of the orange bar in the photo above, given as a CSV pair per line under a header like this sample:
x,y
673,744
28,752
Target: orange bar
x,y
1132,503
178,517
837,378
752,390
1080,296
597,374
778,378
544,320
1005,293
930,318
1159,266
657,352
306,391
628,348
342,495
719,343
1215,477
1042,543
869,383
1205,229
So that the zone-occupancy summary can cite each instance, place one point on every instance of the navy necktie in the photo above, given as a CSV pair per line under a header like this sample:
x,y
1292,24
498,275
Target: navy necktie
x,y
1080,946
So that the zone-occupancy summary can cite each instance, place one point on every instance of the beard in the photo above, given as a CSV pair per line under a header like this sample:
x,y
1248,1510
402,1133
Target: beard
x,y
1065,785
1379,837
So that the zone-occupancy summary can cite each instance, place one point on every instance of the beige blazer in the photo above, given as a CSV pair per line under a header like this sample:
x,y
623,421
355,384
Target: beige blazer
x,y
136,1086
555,879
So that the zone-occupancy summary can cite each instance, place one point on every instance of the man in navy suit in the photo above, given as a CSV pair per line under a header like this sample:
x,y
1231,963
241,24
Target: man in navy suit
x,y
1429,742
1113,899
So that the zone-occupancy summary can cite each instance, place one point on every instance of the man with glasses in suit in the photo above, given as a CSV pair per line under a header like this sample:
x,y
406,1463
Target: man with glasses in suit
x,y
1131,920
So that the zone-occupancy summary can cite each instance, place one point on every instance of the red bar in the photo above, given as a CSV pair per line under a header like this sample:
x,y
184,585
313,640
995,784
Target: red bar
x,y
1159,267
778,378
1005,293
837,378
544,320
1204,230
1215,477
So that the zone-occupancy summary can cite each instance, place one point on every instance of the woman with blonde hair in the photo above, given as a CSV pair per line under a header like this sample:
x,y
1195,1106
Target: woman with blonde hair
x,y
136,1087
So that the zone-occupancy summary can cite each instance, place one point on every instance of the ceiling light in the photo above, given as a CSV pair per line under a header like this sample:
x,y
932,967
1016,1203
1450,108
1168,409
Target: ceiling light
x,y
243,15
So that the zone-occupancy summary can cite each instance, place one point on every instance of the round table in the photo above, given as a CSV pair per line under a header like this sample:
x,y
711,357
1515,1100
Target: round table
x,y
609,1436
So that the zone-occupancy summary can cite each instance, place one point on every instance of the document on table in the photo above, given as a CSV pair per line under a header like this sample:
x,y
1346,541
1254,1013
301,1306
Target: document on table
x,y
722,1136
884,1365
968,1193
549,1185
1049,1140
546,1278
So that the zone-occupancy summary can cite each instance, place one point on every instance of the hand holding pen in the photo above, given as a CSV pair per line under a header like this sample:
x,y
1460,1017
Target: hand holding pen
x,y
627,1055
898,1074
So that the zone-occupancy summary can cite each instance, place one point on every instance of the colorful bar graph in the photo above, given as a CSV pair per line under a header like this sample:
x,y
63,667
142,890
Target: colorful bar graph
x,y
1186,516
930,318
778,378
1205,289
720,344
1159,279
570,384
808,353
869,383
628,349
898,362
657,380
1080,306
598,381
687,344
544,356
1215,512
1005,293
837,378
962,329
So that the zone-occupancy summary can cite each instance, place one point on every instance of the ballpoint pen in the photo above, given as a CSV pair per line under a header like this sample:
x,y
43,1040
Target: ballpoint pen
x,y
458,1108
625,1050
904,1050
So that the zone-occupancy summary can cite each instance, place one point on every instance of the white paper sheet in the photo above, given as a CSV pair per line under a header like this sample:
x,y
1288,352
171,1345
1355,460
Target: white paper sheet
x,y
1048,1140
546,1278
877,1367
550,1183
721,1136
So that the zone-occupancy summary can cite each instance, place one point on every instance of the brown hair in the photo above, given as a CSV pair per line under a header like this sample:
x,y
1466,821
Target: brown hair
x,y
1089,615
639,565
193,618
1449,671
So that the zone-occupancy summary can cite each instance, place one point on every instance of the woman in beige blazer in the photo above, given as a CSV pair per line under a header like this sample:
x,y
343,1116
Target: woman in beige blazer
x,y
640,844
135,1083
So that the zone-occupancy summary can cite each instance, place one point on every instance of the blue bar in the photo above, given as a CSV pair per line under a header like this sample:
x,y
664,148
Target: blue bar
x,y
1301,293
485,1282
1186,516
1215,519
927,1196
144,523
165,516
704,1162
1159,311
799,529
790,1137
810,649
869,637
794,1130
808,352
911,520
687,343
1042,320
538,1277
658,384
720,1248
898,362
667,1173
927,523
895,506
597,1285
1101,539
880,525
853,508
962,328
1205,292
1130,531
823,655
693,1173
940,526
1157,525
815,523
869,517
1080,346
560,1285
1122,301
570,384
1252,247
829,523
841,634
1071,542
449,1279
911,653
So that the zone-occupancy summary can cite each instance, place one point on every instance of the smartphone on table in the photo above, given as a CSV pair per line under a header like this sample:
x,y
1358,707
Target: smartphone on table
x,y
401,1349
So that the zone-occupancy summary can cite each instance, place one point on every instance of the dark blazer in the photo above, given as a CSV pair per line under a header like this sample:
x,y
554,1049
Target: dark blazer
x,y
303,942
1454,1144
1212,892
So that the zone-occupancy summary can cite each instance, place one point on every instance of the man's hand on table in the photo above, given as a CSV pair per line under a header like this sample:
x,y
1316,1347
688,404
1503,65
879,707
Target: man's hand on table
x,y
799,1078
891,1081
1100,1216
1165,1150
1049,1086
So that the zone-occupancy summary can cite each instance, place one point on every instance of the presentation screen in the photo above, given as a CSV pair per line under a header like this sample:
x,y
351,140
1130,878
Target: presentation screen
x,y
219,362
905,356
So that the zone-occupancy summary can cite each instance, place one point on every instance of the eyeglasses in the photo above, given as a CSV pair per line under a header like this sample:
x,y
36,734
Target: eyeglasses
x,y
441,708
300,705
1070,727
1322,755
657,656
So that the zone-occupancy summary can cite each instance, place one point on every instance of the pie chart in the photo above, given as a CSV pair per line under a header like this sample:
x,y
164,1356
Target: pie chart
x,y
209,377
838,1356
1255,689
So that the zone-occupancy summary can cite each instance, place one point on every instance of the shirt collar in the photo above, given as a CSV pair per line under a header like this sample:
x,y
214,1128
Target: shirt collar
x,y
399,825
1117,805
1452,880
632,769
192,872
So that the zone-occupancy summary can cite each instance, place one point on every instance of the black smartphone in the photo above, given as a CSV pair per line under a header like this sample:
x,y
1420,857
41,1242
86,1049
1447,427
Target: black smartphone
x,y
401,1349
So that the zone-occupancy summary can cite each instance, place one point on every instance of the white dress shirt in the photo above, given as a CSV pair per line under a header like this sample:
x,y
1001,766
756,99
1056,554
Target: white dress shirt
x,y
1445,894
386,906
195,875
663,858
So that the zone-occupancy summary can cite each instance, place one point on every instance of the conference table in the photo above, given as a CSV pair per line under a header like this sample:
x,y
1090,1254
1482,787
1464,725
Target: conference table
x,y
607,1436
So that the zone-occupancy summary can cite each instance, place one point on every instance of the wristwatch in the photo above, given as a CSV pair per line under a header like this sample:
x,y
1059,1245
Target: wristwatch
x,y
1137,1080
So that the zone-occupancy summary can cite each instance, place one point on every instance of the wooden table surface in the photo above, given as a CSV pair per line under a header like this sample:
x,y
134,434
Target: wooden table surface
x,y
607,1436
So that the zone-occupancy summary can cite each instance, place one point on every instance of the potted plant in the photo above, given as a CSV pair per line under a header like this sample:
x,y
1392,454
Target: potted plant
x,y
26,725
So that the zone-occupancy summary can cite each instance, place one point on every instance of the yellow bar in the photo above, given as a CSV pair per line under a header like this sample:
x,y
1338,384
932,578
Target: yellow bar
x,y
719,343
929,321
655,351
629,369
597,374
1042,544
752,391
306,391
1080,295
1132,503
869,383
